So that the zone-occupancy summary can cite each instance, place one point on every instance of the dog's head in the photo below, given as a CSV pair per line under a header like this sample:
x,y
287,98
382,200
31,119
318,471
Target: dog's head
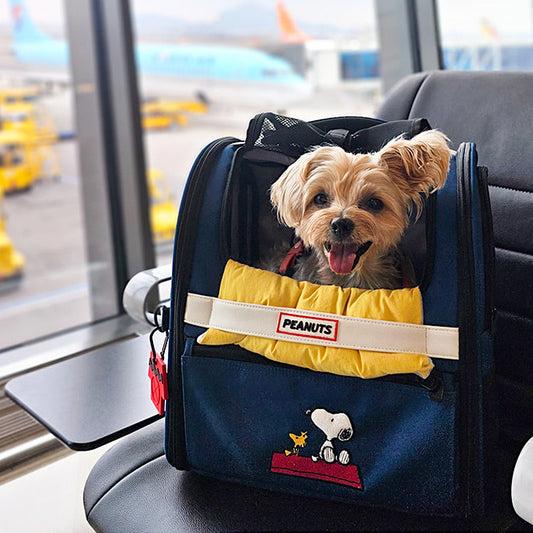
x,y
350,206
333,425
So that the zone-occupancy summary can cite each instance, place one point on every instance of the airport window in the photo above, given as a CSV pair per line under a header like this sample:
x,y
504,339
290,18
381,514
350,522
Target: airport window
x,y
486,34
286,58
212,76
202,77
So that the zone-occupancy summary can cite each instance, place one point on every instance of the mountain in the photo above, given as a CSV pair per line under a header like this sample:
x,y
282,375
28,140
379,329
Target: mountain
x,y
244,21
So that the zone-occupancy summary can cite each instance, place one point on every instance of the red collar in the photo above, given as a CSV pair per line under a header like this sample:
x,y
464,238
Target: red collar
x,y
290,260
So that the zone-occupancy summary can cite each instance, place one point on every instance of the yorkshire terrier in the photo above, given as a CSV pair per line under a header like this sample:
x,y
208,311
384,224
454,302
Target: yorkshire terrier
x,y
349,211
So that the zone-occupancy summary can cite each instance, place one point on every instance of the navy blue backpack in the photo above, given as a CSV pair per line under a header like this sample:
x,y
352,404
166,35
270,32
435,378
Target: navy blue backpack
x,y
404,443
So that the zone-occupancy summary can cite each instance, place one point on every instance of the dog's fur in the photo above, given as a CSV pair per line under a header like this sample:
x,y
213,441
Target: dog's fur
x,y
337,202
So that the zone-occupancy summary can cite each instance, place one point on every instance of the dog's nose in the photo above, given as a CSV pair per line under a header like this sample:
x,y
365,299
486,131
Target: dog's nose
x,y
342,227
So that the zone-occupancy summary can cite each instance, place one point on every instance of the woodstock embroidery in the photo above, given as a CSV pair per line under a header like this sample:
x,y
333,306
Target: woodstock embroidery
x,y
299,442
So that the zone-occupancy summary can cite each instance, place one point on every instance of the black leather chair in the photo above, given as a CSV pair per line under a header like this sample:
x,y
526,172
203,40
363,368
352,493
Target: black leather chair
x,y
133,489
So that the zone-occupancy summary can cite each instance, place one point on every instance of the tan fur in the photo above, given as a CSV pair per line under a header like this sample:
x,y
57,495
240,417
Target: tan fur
x,y
397,175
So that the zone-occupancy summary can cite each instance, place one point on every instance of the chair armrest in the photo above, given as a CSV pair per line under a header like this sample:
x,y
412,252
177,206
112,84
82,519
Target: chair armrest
x,y
522,484
145,291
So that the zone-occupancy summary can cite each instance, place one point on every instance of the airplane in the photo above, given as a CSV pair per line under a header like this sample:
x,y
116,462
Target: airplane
x,y
216,72
363,64
290,33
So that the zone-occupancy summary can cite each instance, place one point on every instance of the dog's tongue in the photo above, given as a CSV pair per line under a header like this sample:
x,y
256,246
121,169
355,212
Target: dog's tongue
x,y
342,257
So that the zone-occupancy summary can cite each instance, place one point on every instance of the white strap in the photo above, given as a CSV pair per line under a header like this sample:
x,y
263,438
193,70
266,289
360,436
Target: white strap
x,y
323,329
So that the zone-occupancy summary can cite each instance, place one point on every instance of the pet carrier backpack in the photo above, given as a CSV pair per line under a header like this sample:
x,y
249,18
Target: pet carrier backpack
x,y
403,441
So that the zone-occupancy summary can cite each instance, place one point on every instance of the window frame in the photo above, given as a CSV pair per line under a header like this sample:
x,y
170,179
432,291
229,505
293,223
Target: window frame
x,y
409,38
115,204
112,165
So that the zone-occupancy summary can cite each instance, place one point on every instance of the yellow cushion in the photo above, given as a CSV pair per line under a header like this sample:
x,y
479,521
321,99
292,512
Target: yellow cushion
x,y
245,284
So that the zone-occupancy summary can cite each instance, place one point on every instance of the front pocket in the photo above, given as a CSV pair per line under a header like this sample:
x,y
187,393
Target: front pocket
x,y
362,441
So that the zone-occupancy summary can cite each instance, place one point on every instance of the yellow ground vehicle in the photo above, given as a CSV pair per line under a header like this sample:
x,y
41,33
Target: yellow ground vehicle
x,y
22,161
160,114
152,118
11,262
163,209
177,109
18,95
26,118
18,165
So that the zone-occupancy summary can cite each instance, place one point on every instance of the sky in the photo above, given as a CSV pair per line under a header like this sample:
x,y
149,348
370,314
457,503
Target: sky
x,y
206,10
458,17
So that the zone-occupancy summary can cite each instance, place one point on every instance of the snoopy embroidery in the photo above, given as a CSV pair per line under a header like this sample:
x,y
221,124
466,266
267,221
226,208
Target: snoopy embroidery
x,y
334,426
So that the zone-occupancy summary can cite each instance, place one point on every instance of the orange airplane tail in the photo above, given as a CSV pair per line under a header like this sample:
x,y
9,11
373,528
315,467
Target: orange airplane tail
x,y
290,33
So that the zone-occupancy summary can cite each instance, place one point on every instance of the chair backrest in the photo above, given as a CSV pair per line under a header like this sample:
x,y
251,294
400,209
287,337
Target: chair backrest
x,y
495,109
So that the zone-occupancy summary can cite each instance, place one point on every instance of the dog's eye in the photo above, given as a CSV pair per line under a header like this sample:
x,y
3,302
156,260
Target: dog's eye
x,y
374,204
321,200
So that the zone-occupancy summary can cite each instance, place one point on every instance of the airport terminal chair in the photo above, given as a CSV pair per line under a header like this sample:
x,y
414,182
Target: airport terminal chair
x,y
133,488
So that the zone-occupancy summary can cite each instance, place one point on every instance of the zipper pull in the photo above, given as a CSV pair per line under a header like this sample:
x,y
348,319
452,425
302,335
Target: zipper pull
x,y
162,318
435,385
157,372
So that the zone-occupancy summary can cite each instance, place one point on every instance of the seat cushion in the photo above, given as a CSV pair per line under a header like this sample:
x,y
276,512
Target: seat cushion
x,y
133,489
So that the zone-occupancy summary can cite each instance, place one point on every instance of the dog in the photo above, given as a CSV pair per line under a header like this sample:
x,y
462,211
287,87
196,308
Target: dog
x,y
349,211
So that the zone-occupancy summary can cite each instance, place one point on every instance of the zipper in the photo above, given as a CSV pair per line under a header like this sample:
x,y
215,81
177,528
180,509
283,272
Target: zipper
x,y
182,267
488,248
186,233
225,229
469,407
431,237
434,383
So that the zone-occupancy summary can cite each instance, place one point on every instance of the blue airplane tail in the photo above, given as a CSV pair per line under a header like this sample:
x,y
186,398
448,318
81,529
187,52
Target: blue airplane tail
x,y
24,31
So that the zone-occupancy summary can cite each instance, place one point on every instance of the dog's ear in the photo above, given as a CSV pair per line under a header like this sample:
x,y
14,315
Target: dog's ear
x,y
286,193
419,165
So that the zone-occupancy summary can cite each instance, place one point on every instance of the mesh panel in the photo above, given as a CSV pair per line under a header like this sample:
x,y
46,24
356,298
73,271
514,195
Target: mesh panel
x,y
287,121
274,134
294,137
266,126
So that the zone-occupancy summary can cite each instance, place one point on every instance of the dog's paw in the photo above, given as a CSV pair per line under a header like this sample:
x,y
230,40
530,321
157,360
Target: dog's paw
x,y
328,455
344,457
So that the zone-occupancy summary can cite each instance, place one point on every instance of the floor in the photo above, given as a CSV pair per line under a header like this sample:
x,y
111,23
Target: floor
x,y
48,500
